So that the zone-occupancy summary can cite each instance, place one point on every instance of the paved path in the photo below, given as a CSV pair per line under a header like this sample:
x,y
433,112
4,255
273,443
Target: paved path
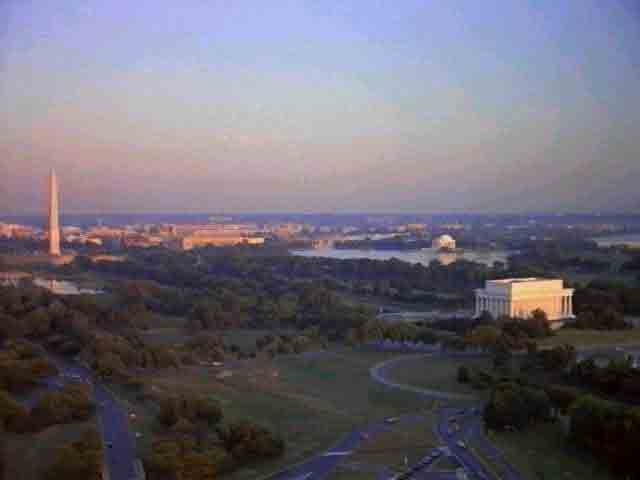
x,y
120,453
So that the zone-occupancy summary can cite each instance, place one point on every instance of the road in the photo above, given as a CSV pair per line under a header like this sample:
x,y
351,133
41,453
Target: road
x,y
468,418
322,466
120,453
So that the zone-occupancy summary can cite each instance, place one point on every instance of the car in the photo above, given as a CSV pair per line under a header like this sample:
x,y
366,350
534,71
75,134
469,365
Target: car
x,y
109,444
461,444
436,453
138,435
391,420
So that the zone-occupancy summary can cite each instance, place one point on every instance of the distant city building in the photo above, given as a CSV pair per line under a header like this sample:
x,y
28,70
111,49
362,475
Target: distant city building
x,y
54,225
444,242
143,241
10,230
417,228
518,297
221,239
13,279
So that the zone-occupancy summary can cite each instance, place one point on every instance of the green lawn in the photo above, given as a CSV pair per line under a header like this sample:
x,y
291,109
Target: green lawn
x,y
592,338
435,373
311,402
541,453
390,448
345,474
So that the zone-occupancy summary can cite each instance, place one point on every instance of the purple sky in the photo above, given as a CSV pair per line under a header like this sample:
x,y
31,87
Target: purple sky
x,y
386,106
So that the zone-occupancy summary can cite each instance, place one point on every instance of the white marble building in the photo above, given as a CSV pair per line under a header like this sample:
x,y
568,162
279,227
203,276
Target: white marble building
x,y
444,242
518,297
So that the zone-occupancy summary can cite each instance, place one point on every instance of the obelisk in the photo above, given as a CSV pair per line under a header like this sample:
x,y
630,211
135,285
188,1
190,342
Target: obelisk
x,y
54,223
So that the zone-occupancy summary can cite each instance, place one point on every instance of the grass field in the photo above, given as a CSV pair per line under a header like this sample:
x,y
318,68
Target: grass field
x,y
348,474
435,373
27,457
593,338
541,453
312,402
390,448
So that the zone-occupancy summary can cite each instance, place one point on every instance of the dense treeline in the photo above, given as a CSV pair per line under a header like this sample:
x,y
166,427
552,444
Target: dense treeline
x,y
549,383
102,334
83,458
616,379
378,330
273,274
609,431
602,298
22,366
516,406
71,404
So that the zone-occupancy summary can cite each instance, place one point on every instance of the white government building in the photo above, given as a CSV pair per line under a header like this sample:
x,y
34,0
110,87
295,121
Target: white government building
x,y
518,297
443,242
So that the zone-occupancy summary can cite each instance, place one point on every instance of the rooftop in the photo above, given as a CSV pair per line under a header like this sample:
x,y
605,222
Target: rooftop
x,y
517,280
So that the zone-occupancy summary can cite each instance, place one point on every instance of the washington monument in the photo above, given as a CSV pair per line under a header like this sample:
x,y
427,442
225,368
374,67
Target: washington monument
x,y
54,224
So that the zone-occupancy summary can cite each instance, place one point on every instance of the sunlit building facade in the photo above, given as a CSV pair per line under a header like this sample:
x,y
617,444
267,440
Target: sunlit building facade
x,y
518,297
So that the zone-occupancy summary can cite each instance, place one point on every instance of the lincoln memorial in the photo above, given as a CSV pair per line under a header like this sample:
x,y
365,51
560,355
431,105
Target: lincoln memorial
x,y
518,297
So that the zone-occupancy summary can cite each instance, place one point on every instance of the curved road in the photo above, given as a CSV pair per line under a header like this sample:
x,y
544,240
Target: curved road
x,y
472,427
321,466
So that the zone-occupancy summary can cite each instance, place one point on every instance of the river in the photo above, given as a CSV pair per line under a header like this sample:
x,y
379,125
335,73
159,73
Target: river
x,y
411,256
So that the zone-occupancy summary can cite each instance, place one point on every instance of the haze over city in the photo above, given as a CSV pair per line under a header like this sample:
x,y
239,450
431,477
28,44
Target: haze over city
x,y
340,107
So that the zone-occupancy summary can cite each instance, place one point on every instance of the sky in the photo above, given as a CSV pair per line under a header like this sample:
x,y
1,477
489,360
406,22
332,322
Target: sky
x,y
320,106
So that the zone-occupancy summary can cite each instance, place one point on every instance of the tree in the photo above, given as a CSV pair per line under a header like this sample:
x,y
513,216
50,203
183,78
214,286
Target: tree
x,y
559,358
610,431
13,416
484,336
463,374
82,459
513,405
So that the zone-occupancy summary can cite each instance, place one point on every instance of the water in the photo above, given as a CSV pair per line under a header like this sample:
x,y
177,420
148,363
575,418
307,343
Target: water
x,y
629,239
63,287
411,256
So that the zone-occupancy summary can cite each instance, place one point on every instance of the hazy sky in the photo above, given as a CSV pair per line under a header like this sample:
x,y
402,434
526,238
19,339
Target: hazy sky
x,y
322,106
